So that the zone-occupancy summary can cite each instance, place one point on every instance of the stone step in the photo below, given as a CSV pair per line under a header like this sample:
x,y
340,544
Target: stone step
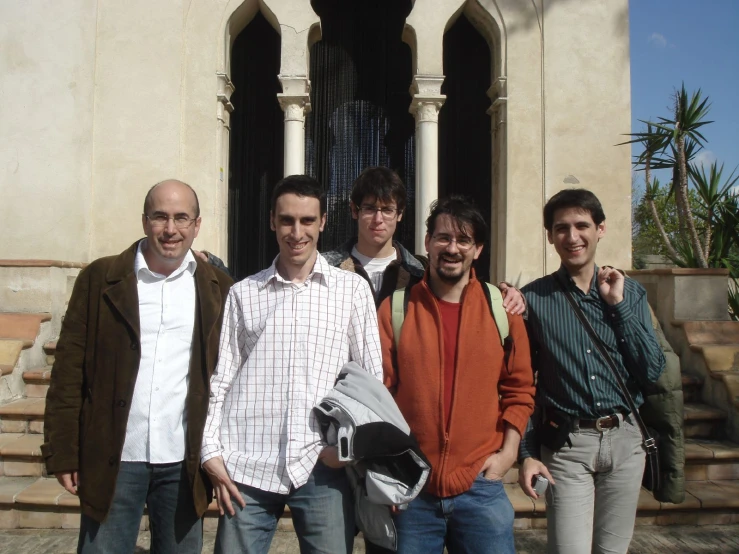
x,y
692,386
23,416
702,420
20,455
38,503
709,460
710,332
37,382
24,327
719,358
731,380
10,351
50,351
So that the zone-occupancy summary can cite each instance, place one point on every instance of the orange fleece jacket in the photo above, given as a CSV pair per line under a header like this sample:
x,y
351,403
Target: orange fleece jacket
x,y
486,394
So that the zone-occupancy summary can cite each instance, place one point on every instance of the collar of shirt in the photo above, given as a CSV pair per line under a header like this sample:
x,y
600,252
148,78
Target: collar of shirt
x,y
593,284
188,264
320,268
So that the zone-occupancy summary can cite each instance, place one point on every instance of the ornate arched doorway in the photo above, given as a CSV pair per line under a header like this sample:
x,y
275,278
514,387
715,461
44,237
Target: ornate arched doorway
x,y
360,74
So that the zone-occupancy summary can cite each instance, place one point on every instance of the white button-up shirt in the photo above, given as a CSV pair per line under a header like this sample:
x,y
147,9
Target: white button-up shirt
x,y
155,431
282,346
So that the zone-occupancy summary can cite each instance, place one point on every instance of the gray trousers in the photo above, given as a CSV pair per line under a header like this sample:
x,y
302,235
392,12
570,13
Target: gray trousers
x,y
592,508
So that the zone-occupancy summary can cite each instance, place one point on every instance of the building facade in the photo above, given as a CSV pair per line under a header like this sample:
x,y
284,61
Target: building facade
x,y
101,99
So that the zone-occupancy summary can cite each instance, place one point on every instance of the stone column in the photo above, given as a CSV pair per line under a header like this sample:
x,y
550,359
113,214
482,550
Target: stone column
x,y
223,138
425,106
499,210
295,102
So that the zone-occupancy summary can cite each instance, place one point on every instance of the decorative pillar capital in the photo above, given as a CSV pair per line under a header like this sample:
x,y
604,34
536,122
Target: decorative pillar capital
x,y
295,97
427,99
498,94
225,107
295,107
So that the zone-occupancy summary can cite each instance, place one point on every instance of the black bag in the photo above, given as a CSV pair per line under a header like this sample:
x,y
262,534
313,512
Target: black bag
x,y
651,479
554,431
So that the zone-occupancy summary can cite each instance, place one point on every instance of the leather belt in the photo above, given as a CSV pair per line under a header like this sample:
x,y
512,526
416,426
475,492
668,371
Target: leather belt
x,y
600,424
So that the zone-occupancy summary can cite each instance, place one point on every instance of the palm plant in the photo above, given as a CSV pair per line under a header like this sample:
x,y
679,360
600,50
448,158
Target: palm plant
x,y
671,144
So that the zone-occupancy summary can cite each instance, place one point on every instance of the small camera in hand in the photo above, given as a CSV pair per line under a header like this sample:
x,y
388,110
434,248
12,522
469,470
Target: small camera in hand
x,y
539,483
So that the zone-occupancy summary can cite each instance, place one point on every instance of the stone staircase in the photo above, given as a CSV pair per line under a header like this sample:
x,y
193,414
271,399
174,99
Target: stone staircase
x,y
711,351
30,499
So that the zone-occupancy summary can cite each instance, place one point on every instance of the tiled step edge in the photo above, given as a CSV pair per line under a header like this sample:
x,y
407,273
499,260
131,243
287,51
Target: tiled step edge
x,y
43,503
36,382
23,416
22,326
50,351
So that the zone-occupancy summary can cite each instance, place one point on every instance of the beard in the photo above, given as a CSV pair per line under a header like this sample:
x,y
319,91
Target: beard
x,y
451,276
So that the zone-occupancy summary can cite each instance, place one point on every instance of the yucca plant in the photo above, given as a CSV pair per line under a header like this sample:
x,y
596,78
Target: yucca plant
x,y
671,144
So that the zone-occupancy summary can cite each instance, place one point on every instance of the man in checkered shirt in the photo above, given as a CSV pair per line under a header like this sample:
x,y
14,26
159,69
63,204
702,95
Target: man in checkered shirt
x,y
287,332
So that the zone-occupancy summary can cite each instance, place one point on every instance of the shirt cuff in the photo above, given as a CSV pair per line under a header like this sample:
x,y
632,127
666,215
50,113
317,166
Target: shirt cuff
x,y
620,313
529,447
209,451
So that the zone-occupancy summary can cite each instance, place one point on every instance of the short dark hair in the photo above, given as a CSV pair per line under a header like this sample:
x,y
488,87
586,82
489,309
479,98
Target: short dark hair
x,y
463,211
147,198
573,198
380,183
300,185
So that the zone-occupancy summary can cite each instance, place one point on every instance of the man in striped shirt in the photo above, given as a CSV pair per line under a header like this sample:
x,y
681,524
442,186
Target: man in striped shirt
x,y
287,332
596,475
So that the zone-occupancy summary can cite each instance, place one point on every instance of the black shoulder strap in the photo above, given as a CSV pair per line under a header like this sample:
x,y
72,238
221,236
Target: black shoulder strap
x,y
649,443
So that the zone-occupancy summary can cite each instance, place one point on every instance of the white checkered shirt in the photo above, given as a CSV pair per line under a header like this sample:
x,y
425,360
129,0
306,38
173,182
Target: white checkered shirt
x,y
282,346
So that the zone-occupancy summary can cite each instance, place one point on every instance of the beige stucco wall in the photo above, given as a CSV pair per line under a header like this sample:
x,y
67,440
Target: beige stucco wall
x,y
47,63
587,92
103,98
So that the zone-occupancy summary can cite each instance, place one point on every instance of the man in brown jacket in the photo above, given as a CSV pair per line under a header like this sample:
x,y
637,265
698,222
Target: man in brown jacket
x,y
129,388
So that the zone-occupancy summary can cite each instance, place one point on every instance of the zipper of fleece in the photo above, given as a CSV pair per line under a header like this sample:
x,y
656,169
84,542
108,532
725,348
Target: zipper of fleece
x,y
448,424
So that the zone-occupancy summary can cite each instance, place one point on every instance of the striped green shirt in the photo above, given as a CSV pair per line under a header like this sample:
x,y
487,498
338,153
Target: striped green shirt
x,y
572,375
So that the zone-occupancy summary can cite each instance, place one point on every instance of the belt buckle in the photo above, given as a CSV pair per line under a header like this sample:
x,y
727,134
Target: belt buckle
x,y
598,421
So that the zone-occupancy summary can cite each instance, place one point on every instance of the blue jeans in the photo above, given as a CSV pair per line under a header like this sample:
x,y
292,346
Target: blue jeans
x,y
322,511
165,489
479,521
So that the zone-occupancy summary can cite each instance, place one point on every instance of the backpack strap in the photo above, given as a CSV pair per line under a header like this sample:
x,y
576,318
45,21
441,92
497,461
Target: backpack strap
x,y
398,305
495,302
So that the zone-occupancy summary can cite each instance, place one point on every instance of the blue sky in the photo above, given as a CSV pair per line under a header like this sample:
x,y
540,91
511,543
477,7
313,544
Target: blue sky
x,y
696,42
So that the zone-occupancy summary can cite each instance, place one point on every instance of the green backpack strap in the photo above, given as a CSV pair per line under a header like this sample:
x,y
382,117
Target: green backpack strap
x,y
495,301
399,305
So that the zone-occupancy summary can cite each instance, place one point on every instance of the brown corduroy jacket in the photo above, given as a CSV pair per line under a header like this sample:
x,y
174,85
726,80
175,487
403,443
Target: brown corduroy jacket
x,y
94,374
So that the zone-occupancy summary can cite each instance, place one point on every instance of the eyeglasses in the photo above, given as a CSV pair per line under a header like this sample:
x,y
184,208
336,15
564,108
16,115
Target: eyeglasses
x,y
463,243
180,221
388,212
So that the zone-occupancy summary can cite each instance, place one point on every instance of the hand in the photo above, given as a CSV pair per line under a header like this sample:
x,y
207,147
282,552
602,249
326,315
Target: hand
x,y
611,285
223,486
69,480
329,456
529,468
202,254
513,301
497,465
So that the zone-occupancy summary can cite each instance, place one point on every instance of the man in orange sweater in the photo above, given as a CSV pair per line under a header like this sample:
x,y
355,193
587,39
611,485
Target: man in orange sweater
x,y
466,397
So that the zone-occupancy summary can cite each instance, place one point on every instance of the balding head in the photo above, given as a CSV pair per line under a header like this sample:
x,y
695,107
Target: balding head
x,y
169,186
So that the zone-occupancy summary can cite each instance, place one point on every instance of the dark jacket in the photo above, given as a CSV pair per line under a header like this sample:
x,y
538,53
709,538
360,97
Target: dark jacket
x,y
663,411
398,274
94,374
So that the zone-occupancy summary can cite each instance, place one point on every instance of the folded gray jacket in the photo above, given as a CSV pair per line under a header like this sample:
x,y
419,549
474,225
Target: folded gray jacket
x,y
387,467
